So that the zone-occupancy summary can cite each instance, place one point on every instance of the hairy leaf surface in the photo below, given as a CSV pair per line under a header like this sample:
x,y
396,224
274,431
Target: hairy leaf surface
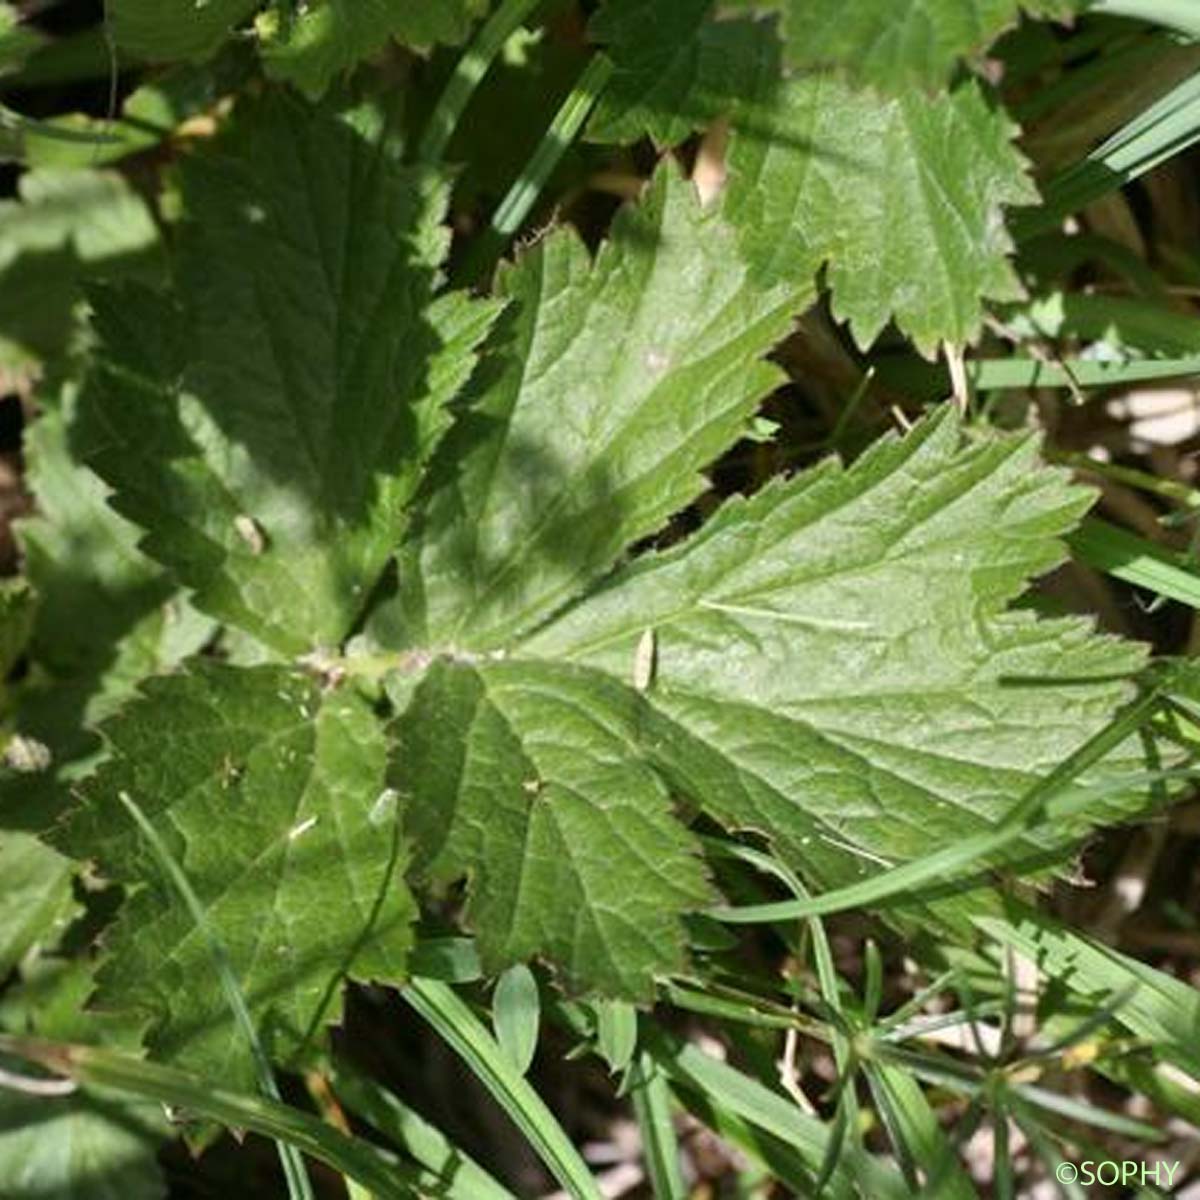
x,y
530,777
271,797
268,425
620,380
675,69
902,197
839,653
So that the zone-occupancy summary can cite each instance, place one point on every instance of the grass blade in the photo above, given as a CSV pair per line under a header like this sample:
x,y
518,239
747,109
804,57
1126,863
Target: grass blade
x,y
469,72
1166,128
299,1186
455,1175
928,381
381,1173
944,865
446,1011
747,1099
1134,559
565,127
1180,15
652,1106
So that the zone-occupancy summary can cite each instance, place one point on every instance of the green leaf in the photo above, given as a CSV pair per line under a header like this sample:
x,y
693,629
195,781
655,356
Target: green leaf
x,y
838,649
268,424
570,451
528,777
17,41
107,616
516,1015
676,70
902,197
466,1035
378,1171
899,43
66,226
17,611
97,1145
36,901
616,1033
161,30
328,37
452,1173
272,800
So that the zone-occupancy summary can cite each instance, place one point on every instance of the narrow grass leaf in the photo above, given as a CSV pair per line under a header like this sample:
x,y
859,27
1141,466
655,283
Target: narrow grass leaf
x,y
454,1175
660,1147
449,1015
1165,129
971,852
380,1172
1136,560
299,1186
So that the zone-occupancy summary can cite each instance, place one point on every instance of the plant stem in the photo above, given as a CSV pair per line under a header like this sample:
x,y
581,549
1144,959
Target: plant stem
x,y
468,74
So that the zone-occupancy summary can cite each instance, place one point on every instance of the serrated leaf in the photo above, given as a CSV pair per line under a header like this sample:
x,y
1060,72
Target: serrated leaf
x,y
107,616
903,198
269,423
161,30
839,652
272,800
675,69
619,381
898,43
527,776
328,37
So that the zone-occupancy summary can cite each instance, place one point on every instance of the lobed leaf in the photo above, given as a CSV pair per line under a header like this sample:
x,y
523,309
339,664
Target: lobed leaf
x,y
528,776
903,198
618,382
269,423
272,799
838,653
